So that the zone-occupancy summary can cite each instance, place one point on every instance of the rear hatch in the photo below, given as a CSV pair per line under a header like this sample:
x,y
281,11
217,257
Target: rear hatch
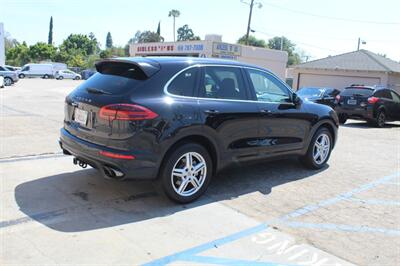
x,y
355,97
101,110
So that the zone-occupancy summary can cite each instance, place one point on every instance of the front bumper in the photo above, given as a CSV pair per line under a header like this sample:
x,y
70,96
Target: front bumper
x,y
89,153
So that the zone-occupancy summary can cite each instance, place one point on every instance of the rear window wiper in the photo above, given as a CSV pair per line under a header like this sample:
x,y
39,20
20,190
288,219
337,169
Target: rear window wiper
x,y
97,91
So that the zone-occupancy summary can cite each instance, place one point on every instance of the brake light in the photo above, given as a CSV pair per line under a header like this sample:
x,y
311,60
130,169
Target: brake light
x,y
129,112
116,155
373,100
337,97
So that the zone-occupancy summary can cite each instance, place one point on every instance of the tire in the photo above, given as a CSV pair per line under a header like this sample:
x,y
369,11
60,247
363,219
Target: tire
x,y
8,81
60,78
311,160
21,76
176,160
77,78
46,76
342,119
380,119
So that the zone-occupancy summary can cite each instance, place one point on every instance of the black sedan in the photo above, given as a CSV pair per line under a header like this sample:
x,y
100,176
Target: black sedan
x,y
325,96
181,120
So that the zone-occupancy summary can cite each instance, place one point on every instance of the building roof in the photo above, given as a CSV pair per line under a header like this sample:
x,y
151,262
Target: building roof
x,y
361,60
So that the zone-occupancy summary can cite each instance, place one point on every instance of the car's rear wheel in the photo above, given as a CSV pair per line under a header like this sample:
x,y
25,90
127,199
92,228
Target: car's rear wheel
x,y
380,119
186,173
8,81
21,76
319,150
46,76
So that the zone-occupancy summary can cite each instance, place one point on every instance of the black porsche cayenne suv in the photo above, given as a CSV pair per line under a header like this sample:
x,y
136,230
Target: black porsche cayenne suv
x,y
182,120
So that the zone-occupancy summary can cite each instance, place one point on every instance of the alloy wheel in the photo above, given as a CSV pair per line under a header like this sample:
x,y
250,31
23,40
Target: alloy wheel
x,y
188,174
321,148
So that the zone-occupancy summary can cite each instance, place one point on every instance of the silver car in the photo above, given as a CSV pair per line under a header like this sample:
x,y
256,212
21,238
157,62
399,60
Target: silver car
x,y
10,77
67,74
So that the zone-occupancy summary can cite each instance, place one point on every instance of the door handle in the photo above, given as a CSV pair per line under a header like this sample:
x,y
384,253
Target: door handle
x,y
211,112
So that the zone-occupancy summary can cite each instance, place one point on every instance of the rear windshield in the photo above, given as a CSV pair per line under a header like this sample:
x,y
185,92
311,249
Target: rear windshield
x,y
110,83
357,92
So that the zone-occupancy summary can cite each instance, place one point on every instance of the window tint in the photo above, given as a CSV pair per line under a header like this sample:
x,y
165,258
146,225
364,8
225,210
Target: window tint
x,y
395,97
268,88
383,94
25,68
2,69
184,84
357,92
223,83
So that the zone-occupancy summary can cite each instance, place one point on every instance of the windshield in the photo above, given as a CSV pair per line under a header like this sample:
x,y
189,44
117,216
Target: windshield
x,y
365,92
310,92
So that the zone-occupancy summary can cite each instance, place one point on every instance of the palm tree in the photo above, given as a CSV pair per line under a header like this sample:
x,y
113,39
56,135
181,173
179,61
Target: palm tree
x,y
174,13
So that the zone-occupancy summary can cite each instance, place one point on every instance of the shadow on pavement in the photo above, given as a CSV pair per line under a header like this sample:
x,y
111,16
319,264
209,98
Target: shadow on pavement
x,y
82,200
365,125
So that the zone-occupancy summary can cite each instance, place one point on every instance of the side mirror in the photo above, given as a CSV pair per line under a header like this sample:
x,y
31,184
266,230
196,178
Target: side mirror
x,y
296,99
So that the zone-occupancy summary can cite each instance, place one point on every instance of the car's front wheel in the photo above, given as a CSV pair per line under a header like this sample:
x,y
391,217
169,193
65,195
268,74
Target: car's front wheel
x,y
319,150
60,78
8,81
186,173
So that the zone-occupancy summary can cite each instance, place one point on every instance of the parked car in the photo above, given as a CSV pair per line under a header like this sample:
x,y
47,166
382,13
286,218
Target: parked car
x,y
10,77
12,68
87,73
375,104
325,96
184,119
1,82
67,74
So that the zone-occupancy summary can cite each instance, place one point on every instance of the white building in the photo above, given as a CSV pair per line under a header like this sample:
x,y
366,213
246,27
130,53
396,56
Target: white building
x,y
213,47
2,51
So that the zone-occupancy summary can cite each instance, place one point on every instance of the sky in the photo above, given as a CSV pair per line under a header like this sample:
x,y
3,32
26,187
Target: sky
x,y
319,28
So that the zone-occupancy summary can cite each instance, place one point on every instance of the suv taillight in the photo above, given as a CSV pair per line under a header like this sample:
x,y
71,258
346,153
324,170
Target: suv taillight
x,y
337,97
373,100
128,112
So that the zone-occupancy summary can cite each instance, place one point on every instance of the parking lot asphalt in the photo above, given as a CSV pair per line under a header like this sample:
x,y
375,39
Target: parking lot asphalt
x,y
275,213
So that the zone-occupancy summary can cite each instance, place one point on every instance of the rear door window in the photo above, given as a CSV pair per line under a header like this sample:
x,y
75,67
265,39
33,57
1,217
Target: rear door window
x,y
185,83
395,97
223,83
383,94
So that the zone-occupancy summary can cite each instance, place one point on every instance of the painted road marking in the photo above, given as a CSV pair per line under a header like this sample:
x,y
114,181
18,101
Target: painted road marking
x,y
377,201
343,227
32,157
341,197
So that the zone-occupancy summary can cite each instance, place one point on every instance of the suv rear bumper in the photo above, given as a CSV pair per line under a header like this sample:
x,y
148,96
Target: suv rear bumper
x,y
366,113
89,153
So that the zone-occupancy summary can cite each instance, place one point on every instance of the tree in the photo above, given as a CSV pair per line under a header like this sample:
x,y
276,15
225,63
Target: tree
x,y
159,28
288,46
149,36
253,41
42,51
18,55
50,39
186,34
9,42
174,14
79,43
109,41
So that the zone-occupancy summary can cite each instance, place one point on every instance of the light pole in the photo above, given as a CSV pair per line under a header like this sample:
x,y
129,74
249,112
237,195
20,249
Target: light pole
x,y
359,43
251,4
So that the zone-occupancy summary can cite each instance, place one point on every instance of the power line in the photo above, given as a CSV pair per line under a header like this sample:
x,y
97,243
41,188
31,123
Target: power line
x,y
332,18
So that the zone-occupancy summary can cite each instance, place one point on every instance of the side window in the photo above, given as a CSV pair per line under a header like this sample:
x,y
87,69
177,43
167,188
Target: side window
x,y
395,97
383,94
223,83
25,68
268,88
184,84
2,69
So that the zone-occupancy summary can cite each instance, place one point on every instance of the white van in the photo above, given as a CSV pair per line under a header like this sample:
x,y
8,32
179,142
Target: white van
x,y
41,70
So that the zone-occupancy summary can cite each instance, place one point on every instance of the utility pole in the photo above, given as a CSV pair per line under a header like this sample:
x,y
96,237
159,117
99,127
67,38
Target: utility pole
x,y
251,4
248,24
359,43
